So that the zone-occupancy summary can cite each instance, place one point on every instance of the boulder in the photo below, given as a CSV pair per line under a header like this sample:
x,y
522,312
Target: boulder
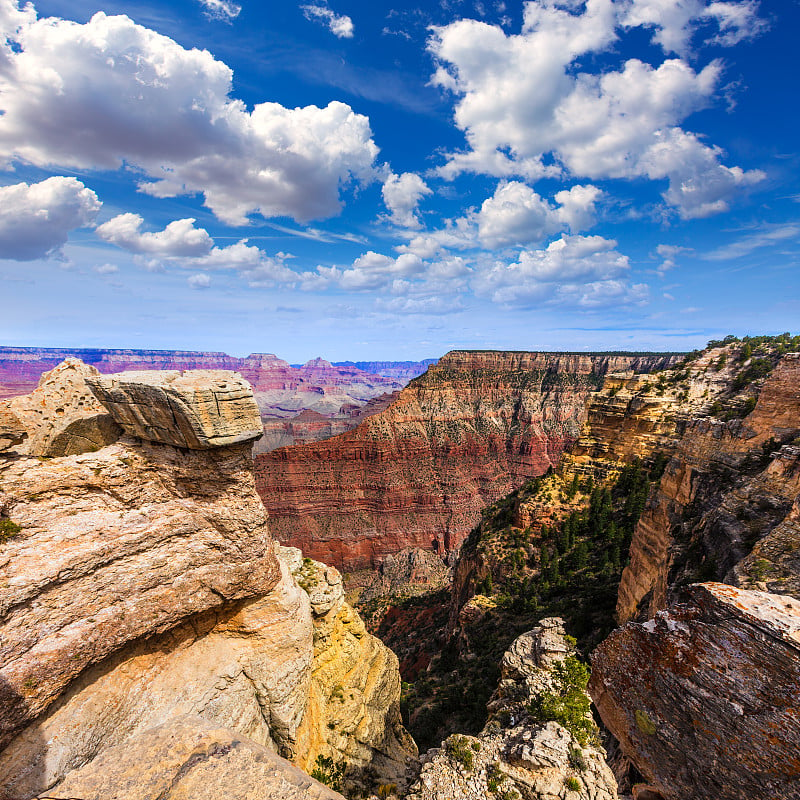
x,y
704,697
190,757
12,431
194,409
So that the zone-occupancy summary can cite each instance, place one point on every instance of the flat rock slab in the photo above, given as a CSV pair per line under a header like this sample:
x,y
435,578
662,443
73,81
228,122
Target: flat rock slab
x,y
194,409
190,758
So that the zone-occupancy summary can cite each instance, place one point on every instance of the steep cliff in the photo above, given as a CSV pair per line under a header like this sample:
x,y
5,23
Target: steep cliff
x,y
476,425
141,585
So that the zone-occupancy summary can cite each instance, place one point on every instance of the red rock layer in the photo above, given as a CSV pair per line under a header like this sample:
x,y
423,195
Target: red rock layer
x,y
417,475
21,367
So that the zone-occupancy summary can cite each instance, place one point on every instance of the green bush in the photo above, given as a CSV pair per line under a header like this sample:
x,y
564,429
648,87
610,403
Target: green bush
x,y
460,750
329,772
8,530
573,784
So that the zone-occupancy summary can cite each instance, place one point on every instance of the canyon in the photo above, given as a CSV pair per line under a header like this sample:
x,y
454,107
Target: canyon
x,y
417,474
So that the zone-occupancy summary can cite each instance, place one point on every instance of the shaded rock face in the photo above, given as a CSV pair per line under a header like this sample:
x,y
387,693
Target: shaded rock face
x,y
704,697
196,409
515,755
191,758
144,586
726,506
410,572
61,416
417,475
12,431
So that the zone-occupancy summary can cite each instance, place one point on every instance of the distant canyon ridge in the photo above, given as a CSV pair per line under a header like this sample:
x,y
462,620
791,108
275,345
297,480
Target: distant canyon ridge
x,y
298,403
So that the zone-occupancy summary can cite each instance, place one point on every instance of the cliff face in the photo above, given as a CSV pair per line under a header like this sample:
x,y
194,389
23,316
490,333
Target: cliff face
x,y
729,489
141,585
417,474
704,697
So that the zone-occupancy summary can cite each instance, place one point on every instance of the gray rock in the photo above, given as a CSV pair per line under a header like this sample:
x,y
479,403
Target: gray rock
x,y
194,409
12,431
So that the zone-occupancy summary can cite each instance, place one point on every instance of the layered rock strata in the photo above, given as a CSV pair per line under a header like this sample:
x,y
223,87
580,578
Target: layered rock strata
x,y
143,586
417,475
515,755
726,488
704,697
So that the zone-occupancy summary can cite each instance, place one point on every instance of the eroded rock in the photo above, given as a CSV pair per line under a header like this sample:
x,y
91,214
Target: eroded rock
x,y
195,409
704,697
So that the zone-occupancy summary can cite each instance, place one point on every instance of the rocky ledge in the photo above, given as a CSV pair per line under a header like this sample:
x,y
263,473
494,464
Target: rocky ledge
x,y
704,698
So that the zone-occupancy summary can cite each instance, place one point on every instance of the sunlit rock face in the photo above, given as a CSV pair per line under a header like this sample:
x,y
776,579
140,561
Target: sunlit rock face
x,y
473,427
141,584
704,697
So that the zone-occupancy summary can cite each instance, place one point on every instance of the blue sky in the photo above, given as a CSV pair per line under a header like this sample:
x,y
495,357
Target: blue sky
x,y
364,180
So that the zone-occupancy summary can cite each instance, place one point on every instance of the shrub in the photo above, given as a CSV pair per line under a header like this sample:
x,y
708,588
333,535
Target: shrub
x,y
460,750
573,784
329,772
8,530
576,759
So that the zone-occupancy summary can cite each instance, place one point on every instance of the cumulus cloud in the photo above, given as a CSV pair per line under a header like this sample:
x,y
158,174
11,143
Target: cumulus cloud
x,y
676,21
221,9
36,219
199,281
340,26
526,110
368,272
587,271
669,254
179,238
515,214
401,195
111,92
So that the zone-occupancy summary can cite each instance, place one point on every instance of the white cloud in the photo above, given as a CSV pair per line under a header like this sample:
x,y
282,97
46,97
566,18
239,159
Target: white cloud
x,y
36,219
111,92
586,271
368,272
669,253
766,236
221,9
106,269
199,281
401,195
675,21
179,238
340,26
526,110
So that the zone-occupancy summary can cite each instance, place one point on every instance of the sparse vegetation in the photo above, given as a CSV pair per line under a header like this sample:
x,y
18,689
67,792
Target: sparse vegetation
x,y
8,530
460,749
573,784
329,772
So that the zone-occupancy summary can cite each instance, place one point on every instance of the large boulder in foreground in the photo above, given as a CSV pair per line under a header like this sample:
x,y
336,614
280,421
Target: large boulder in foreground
x,y
705,697
190,757
194,409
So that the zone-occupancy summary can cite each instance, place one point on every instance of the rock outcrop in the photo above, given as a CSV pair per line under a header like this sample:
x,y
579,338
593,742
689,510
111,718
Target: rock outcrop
x,y
143,586
12,431
191,758
476,425
197,409
61,416
704,697
516,754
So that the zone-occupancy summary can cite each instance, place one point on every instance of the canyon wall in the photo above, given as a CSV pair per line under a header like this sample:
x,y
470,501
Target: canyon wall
x,y
142,589
470,429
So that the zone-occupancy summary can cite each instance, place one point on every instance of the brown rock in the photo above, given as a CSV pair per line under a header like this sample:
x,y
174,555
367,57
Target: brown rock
x,y
704,697
12,431
472,428
191,759
196,409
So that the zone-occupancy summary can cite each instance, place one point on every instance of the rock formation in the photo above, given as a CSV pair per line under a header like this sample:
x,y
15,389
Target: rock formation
x,y
417,475
61,416
519,754
704,697
199,410
190,757
143,586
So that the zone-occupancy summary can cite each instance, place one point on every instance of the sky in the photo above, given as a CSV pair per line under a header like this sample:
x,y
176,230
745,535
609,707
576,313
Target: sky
x,y
364,180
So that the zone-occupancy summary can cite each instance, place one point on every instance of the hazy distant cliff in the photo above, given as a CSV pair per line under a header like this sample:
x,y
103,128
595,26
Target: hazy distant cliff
x,y
417,474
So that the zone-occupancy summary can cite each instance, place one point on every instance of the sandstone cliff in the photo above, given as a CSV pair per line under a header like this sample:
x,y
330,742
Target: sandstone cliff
x,y
704,697
417,475
141,585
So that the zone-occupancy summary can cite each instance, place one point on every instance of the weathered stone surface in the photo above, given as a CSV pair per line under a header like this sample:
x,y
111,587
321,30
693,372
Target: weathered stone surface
x,y
353,713
704,698
515,754
475,426
128,541
191,759
196,409
411,571
12,431
61,416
